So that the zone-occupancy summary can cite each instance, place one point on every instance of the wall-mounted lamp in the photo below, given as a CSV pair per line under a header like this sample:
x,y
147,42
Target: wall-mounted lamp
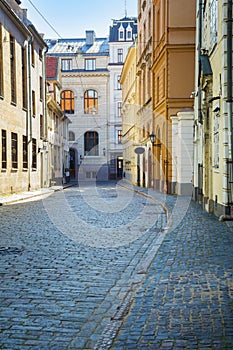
x,y
153,140
104,151
44,147
81,157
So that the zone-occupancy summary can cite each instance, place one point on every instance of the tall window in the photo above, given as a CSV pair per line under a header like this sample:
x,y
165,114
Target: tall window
x,y
90,102
120,55
67,101
24,77
12,69
41,88
33,54
71,136
119,109
90,64
118,84
41,126
213,22
4,150
25,152
216,138
1,63
33,103
91,143
34,154
66,64
119,136
14,150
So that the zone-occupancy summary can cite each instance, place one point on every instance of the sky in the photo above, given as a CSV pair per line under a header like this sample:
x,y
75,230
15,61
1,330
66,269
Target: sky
x,y
71,18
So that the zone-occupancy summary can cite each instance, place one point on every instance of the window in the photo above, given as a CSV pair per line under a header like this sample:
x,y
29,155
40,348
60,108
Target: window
x,y
120,55
25,152
41,88
14,150
66,64
216,137
90,64
67,101
41,126
71,136
129,34
119,109
33,54
34,154
1,63
118,84
213,22
12,69
24,77
90,102
91,143
33,103
119,136
40,53
4,150
121,34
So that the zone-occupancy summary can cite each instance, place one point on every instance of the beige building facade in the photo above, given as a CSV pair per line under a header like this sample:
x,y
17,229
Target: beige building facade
x,y
213,172
22,100
129,119
173,66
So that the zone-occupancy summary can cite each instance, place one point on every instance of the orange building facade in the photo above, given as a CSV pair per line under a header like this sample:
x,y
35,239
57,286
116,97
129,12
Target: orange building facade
x,y
173,67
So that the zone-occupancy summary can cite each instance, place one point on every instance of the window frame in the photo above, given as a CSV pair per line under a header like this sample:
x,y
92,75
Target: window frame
x,y
91,144
67,99
25,151
14,150
90,102
4,149
90,64
66,64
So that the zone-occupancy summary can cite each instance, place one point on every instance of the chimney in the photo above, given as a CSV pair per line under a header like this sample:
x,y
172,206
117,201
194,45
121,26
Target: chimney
x,y
90,37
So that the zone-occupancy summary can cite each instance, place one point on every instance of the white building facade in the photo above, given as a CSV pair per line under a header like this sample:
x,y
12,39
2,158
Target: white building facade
x,y
121,37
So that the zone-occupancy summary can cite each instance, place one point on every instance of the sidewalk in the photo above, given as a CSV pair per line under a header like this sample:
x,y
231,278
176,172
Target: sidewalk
x,y
6,199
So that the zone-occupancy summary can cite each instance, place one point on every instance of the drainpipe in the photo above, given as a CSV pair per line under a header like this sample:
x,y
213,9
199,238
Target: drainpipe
x,y
199,46
45,131
29,111
229,100
229,86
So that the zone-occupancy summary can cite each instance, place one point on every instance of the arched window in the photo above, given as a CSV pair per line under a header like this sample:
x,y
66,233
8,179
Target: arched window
x,y
71,136
91,143
67,101
90,102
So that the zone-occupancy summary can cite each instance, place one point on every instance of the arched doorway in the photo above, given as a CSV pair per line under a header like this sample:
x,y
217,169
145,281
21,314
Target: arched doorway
x,y
72,163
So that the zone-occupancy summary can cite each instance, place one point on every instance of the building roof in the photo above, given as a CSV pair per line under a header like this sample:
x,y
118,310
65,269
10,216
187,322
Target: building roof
x,y
75,46
51,67
123,23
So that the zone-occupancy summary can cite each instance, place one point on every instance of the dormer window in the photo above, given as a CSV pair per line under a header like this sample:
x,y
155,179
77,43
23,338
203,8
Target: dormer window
x,y
121,33
129,33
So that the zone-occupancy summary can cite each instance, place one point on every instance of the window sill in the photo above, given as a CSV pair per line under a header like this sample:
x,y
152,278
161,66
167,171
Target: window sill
x,y
34,169
14,170
3,170
25,169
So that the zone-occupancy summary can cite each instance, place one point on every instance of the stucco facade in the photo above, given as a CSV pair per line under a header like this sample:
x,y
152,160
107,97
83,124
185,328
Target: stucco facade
x,y
213,107
22,100
173,66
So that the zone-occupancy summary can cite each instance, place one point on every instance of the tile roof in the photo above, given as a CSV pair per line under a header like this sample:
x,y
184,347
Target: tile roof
x,y
51,67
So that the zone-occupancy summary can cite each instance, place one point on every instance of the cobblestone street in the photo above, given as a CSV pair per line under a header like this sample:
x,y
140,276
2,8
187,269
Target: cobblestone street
x,y
99,267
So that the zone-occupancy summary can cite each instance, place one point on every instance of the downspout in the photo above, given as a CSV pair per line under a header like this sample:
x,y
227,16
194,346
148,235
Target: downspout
x,y
199,45
29,111
229,86
229,100
45,131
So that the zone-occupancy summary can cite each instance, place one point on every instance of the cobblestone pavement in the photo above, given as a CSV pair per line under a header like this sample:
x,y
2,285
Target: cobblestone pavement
x,y
97,268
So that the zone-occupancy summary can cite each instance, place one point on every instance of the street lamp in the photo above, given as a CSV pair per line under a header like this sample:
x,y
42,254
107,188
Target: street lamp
x,y
153,140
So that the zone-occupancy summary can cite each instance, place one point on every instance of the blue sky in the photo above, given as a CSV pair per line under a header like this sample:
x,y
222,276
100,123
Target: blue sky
x,y
71,18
